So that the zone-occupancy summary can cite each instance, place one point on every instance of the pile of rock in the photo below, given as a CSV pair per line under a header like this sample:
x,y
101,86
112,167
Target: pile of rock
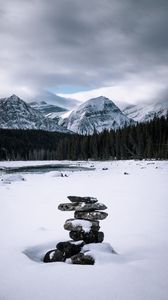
x,y
83,229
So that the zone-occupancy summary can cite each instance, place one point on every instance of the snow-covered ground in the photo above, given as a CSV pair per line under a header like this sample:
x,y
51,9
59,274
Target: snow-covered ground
x,y
137,229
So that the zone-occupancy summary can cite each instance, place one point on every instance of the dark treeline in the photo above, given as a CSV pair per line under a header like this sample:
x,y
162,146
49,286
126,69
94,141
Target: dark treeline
x,y
145,140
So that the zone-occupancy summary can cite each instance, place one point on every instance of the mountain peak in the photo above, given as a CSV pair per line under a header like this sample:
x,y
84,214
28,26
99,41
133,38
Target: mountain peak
x,y
97,113
14,97
17,114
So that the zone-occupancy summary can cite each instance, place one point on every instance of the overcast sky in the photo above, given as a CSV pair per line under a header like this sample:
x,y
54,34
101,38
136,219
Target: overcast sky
x,y
118,48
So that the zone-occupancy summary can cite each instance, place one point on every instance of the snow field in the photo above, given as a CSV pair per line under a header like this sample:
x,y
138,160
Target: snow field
x,y
136,228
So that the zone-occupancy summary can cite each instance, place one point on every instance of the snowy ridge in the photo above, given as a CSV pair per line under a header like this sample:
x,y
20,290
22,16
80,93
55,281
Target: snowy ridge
x,y
97,115
48,110
17,114
146,112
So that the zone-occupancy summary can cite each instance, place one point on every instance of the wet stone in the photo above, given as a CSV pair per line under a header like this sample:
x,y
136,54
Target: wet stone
x,y
69,249
87,237
81,259
92,216
81,225
53,256
82,199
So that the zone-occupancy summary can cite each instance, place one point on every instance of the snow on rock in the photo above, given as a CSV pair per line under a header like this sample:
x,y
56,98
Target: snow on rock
x,y
12,178
97,115
80,224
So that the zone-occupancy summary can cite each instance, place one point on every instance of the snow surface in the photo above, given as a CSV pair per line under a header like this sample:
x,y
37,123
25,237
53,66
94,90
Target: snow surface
x,y
136,228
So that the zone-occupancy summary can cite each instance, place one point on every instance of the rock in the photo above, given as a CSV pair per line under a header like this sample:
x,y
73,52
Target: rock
x,y
81,225
91,207
68,249
81,259
53,256
82,199
69,206
81,206
88,237
92,215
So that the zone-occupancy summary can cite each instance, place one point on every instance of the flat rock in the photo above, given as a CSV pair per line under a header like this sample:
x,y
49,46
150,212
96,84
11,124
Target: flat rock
x,y
88,237
92,215
69,249
82,199
91,207
70,206
81,259
53,256
81,225
81,206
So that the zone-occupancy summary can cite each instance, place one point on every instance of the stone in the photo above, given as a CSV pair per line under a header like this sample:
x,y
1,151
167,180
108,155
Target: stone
x,y
53,256
69,206
87,237
92,215
81,206
82,199
81,225
91,207
69,249
81,259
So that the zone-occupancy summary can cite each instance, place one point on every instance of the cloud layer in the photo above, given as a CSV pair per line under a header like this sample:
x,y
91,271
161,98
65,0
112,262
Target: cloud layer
x,y
46,44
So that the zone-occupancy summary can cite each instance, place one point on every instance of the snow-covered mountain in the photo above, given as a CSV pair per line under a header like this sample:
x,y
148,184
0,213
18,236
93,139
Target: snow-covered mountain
x,y
146,111
48,110
17,114
49,97
95,115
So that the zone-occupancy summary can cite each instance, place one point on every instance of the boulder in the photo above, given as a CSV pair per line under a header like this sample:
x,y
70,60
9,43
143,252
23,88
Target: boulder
x,y
87,237
53,256
92,215
81,225
69,249
81,259
82,199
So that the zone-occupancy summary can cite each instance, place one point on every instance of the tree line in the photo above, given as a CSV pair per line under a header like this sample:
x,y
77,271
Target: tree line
x,y
141,141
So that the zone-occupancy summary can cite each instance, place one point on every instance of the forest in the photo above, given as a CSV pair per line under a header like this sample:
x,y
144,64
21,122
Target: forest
x,y
141,141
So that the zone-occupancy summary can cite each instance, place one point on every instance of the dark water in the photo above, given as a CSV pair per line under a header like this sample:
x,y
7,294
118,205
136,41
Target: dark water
x,y
45,168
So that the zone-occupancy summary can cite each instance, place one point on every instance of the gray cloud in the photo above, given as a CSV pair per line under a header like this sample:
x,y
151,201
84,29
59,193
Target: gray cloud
x,y
91,43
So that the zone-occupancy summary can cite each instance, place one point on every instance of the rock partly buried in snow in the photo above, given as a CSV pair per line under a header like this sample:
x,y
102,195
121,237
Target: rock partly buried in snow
x,y
88,237
69,249
81,225
81,206
81,259
82,199
53,256
12,178
92,215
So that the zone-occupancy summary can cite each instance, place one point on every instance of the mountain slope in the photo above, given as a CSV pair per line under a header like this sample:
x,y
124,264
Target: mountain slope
x,y
17,114
48,110
96,115
147,111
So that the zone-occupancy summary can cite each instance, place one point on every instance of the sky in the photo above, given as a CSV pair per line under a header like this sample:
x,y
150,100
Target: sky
x,y
83,49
